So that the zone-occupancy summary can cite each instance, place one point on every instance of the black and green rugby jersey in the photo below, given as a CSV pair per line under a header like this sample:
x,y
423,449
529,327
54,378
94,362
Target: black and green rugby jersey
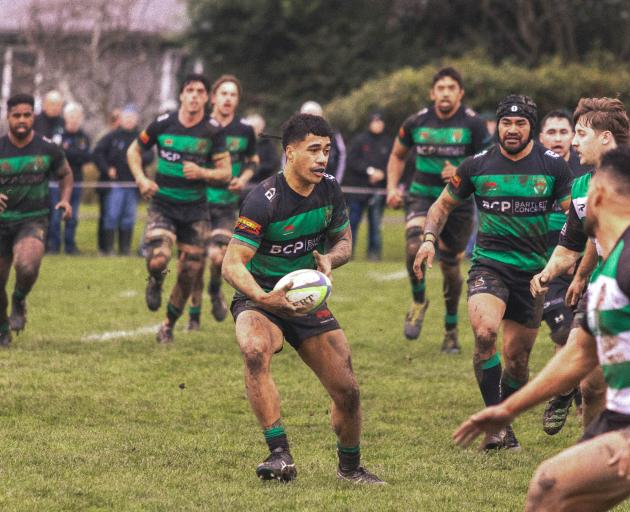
x,y
240,141
513,200
181,197
24,176
437,140
573,236
557,217
285,227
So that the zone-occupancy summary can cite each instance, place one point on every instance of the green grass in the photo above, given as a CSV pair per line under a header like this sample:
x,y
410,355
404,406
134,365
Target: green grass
x,y
125,424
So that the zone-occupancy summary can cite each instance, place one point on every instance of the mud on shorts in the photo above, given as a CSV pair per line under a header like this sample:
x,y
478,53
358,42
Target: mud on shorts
x,y
189,233
221,222
459,224
295,330
13,232
512,287
556,313
579,313
607,421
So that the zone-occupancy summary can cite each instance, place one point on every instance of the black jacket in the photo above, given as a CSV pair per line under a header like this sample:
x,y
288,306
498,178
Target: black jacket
x,y
367,150
111,151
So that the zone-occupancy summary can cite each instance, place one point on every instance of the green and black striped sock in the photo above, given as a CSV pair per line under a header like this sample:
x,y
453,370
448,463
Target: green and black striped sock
x,y
194,312
276,437
349,457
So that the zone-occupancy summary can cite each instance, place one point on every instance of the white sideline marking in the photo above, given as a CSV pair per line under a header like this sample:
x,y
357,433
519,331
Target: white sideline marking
x,y
113,335
391,276
128,293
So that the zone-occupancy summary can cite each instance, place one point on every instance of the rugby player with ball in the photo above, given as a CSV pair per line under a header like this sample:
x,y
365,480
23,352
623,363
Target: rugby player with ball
x,y
283,226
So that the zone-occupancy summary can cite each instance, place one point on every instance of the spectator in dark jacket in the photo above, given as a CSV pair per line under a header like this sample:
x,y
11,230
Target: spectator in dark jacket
x,y
121,202
49,122
367,164
267,150
76,144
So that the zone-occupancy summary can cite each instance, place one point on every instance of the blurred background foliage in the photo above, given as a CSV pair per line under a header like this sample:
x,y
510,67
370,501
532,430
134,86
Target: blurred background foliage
x,y
358,54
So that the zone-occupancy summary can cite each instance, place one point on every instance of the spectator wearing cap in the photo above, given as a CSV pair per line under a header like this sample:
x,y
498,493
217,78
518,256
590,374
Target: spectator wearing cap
x,y
76,144
337,156
366,169
121,202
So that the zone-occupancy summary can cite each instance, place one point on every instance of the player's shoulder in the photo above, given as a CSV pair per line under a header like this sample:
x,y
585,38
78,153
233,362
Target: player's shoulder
x,y
329,184
45,144
166,118
580,184
267,193
419,117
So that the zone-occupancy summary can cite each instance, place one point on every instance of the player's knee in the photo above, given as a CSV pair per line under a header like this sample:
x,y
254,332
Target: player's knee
x,y
543,494
256,357
560,335
412,238
26,268
485,340
592,390
191,264
158,253
217,252
449,262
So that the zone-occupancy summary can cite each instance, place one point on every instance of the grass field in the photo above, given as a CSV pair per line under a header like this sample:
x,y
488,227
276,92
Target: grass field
x,y
97,421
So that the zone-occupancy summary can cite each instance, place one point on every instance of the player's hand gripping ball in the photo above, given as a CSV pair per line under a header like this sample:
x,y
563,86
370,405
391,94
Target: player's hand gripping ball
x,y
310,289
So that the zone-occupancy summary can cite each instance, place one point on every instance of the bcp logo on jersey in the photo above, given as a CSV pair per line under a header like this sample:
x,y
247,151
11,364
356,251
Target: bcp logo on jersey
x,y
248,226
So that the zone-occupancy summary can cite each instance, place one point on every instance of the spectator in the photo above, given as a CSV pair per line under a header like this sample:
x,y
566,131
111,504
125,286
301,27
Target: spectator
x,y
121,201
49,123
367,164
337,157
267,149
76,145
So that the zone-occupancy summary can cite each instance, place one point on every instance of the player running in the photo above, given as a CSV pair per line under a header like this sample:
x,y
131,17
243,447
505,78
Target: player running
x,y
600,125
27,163
240,141
594,474
515,184
283,223
556,134
189,144
441,136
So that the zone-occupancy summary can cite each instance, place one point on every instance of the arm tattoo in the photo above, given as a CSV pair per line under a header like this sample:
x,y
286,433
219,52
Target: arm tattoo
x,y
438,214
341,247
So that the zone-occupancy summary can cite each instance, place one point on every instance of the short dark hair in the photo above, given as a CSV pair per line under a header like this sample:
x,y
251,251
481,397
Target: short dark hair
x,y
557,114
604,114
19,99
616,164
299,126
450,72
194,77
227,78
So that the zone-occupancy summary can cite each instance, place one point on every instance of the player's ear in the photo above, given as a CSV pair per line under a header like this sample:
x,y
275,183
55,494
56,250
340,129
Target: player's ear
x,y
290,152
606,137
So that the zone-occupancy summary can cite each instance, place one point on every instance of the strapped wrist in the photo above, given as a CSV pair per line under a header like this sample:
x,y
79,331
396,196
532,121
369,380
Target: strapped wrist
x,y
429,237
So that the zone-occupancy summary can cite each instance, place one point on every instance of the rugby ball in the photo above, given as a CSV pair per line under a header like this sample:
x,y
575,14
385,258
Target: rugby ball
x,y
310,289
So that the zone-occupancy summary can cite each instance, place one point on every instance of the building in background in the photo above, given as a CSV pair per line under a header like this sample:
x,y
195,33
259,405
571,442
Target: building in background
x,y
100,53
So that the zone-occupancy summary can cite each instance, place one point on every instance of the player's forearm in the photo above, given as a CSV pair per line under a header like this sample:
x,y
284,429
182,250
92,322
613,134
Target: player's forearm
x,y
341,251
237,275
589,260
561,374
247,175
66,183
395,168
134,159
436,218
562,259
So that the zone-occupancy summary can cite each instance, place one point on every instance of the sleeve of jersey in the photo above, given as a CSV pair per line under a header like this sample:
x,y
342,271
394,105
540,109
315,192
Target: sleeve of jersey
x,y
404,134
218,143
148,136
572,235
564,180
253,218
461,186
339,220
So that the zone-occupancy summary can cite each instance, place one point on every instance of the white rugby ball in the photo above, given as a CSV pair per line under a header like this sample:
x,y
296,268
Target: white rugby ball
x,y
310,289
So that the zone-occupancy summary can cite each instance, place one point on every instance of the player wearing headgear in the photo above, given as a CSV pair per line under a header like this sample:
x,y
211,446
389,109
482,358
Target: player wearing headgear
x,y
191,154
441,136
556,134
240,141
515,184
601,124
27,163
284,225
594,474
